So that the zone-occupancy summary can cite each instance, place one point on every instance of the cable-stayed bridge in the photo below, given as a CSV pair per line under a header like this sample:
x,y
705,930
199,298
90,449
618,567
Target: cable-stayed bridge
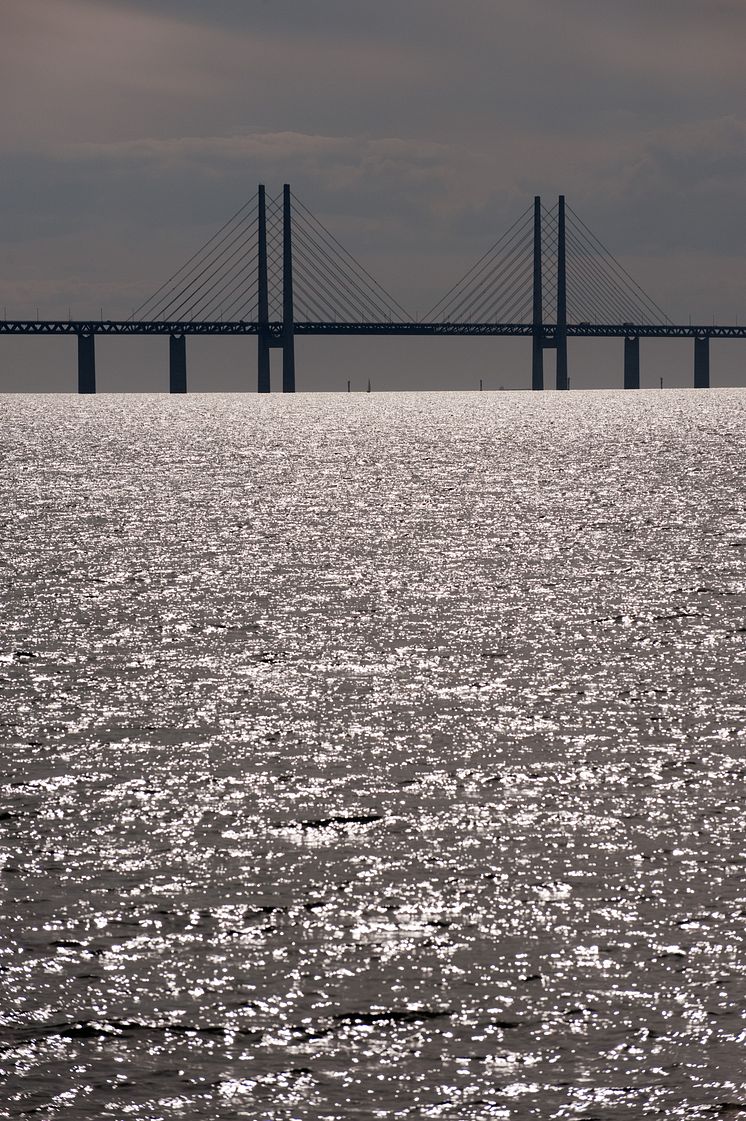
x,y
275,271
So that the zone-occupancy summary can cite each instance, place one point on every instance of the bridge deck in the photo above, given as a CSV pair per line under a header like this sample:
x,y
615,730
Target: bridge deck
x,y
241,327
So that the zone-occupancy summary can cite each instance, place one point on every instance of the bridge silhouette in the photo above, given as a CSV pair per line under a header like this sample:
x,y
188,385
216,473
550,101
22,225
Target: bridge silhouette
x,y
275,271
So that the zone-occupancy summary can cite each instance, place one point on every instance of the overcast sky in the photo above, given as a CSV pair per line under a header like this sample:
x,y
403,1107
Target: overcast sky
x,y
417,130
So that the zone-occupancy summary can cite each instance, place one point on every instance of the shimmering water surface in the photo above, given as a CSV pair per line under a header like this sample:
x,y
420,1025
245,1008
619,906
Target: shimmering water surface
x,y
373,756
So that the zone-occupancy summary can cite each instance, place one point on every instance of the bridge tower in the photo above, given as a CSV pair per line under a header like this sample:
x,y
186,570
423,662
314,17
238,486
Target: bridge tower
x,y
263,335
561,334
537,325
268,337
288,314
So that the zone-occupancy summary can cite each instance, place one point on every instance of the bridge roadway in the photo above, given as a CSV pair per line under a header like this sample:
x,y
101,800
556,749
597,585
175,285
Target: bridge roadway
x,y
278,334
275,329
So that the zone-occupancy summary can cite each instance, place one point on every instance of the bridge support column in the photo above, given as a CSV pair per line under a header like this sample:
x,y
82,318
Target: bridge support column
x,y
288,362
631,363
263,338
177,372
537,328
702,363
562,381
288,322
263,383
86,362
537,363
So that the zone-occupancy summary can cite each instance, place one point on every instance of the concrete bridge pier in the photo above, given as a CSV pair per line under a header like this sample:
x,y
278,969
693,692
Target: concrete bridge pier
x,y
86,362
537,362
263,383
632,363
177,370
702,362
288,361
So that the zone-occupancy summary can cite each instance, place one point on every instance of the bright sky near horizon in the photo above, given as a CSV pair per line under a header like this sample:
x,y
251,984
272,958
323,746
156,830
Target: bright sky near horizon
x,y
416,129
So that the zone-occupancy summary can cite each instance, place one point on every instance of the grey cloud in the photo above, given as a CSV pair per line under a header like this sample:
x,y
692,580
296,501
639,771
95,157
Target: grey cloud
x,y
424,68
416,211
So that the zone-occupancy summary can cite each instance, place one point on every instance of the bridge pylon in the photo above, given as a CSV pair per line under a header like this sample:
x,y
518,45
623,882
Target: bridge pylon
x,y
272,336
264,341
562,381
288,312
537,314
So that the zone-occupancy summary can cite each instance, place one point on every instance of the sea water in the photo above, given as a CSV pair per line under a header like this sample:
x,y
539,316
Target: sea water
x,y
373,756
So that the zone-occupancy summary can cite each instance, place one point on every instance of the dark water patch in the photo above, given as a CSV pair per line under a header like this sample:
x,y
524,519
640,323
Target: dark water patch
x,y
94,1029
328,822
394,1016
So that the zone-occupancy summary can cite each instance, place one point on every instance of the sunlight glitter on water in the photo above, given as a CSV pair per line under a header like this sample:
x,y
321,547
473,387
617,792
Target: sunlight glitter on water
x,y
373,756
